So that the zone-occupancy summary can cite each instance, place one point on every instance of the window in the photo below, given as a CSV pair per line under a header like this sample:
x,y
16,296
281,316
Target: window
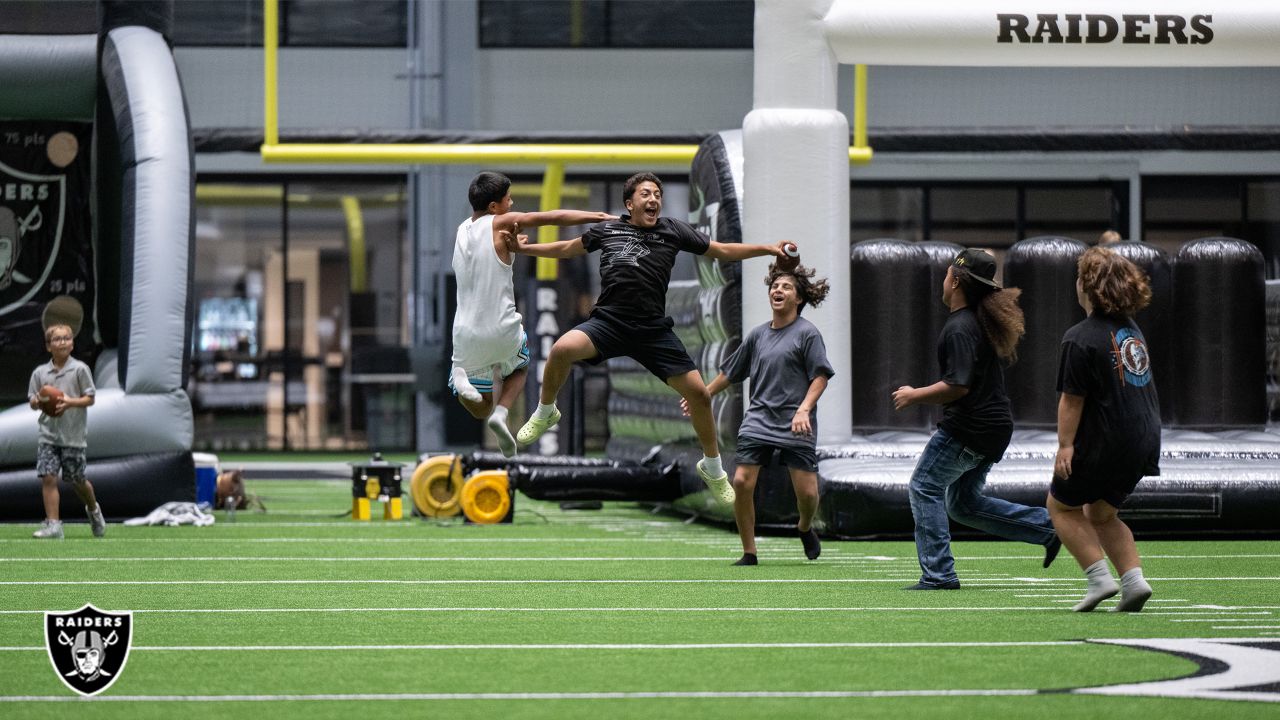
x,y
303,23
1180,209
693,24
301,337
986,214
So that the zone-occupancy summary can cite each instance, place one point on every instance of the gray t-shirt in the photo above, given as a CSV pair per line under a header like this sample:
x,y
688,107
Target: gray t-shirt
x,y
74,380
781,363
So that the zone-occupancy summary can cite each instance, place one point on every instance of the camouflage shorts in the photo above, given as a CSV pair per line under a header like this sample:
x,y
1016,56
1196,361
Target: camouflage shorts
x,y
55,459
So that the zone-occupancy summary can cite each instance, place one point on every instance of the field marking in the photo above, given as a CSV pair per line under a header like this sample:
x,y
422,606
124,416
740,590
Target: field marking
x,y
1245,627
1243,669
180,611
1190,611
586,646
424,558
587,581
696,695
1220,619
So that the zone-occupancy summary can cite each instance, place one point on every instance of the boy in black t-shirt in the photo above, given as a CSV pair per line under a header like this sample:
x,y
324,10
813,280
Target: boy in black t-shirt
x,y
976,424
630,319
1108,428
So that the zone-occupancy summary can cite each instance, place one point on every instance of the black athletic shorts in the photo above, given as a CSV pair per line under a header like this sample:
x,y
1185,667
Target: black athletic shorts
x,y
1086,487
649,342
751,451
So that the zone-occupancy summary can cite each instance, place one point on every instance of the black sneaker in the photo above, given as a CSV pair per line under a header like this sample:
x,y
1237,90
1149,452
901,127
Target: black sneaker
x,y
748,559
812,547
1051,550
953,585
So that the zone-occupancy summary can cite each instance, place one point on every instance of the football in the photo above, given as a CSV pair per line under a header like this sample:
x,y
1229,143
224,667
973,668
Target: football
x,y
48,399
792,260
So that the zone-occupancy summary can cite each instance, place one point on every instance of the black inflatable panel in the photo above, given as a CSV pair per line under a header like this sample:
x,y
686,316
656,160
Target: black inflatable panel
x,y
1220,306
125,487
893,345
1209,483
1045,269
569,477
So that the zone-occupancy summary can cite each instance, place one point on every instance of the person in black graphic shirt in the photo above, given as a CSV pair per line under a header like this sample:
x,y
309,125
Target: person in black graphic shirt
x,y
1108,428
979,337
630,319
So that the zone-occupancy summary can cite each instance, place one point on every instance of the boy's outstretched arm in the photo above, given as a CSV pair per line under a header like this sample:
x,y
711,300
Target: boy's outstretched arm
x,y
559,249
515,221
739,251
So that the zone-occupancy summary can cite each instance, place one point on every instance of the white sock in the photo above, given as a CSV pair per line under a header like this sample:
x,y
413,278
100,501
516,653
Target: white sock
x,y
545,411
712,465
1101,586
1134,591
463,386
497,422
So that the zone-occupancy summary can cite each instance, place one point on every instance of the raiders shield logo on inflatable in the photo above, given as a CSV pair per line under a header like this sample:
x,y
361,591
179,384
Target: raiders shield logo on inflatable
x,y
31,223
88,647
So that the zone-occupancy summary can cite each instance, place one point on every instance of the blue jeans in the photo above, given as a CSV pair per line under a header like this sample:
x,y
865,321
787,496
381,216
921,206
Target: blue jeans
x,y
948,481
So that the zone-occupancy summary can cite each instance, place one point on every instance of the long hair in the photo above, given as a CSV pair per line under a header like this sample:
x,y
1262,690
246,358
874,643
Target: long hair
x,y
999,313
810,291
1112,283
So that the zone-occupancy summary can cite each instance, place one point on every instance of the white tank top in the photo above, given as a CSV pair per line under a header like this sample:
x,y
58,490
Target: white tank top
x,y
487,330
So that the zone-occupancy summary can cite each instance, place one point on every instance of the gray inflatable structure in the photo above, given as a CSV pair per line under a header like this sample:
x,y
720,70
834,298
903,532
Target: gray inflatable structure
x,y
1220,463
140,428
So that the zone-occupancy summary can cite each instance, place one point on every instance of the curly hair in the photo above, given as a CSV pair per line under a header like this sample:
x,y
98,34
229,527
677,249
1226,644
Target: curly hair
x,y
1113,284
810,291
999,313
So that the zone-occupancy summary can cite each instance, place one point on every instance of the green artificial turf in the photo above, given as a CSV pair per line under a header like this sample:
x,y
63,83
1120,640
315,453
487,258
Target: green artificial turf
x,y
611,613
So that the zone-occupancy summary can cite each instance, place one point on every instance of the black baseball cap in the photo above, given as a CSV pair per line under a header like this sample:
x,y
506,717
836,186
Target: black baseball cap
x,y
980,264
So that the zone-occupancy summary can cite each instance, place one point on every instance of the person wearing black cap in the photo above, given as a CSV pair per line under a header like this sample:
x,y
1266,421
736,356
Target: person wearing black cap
x,y
980,336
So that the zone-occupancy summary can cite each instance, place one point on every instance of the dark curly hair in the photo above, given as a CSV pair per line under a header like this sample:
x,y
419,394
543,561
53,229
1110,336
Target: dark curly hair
x,y
810,291
999,313
1112,282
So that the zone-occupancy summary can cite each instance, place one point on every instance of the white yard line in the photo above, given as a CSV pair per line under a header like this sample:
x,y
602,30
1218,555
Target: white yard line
x,y
468,609
596,581
580,646
697,695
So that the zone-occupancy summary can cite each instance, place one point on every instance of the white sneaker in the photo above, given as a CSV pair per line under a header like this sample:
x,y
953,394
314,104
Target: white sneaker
x,y
96,521
49,530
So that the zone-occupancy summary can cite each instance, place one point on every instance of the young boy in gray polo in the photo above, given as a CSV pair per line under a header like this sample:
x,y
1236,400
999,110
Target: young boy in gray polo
x,y
62,435
786,360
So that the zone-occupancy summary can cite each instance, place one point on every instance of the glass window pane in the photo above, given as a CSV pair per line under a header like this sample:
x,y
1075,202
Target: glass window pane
x,y
1083,213
542,23
235,23
973,216
681,24
886,212
238,232
325,23
617,23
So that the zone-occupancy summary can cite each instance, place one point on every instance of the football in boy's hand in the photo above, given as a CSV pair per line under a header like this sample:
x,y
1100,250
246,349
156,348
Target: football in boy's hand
x,y
792,259
48,399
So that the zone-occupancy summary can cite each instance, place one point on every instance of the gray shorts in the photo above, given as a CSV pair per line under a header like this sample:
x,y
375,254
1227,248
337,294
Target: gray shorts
x,y
58,460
